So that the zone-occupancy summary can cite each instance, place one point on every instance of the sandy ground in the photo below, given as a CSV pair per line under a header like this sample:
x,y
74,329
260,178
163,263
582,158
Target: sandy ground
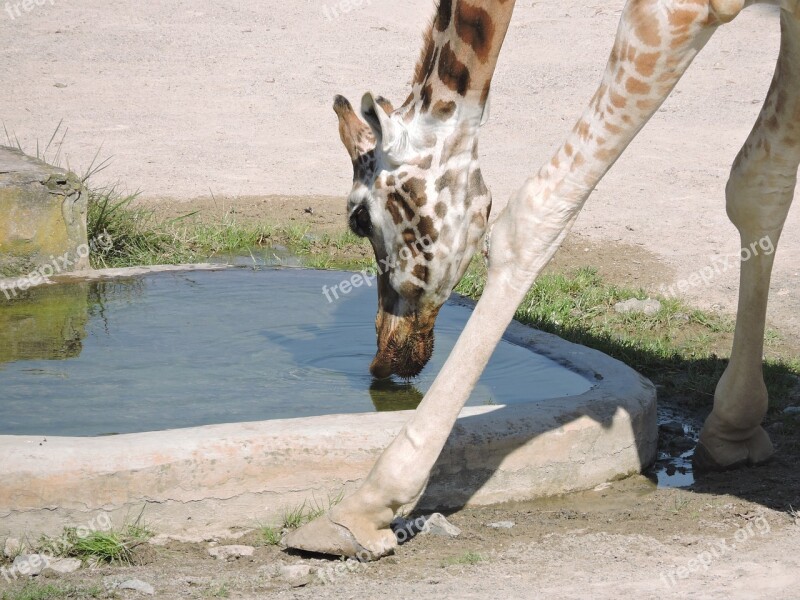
x,y
234,99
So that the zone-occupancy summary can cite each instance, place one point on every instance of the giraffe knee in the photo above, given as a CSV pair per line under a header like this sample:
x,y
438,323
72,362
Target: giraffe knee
x,y
758,203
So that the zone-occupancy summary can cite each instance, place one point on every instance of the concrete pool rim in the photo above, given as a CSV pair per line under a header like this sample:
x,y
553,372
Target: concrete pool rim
x,y
242,474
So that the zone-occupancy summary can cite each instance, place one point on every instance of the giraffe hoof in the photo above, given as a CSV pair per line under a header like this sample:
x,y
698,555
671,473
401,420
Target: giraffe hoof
x,y
324,536
716,454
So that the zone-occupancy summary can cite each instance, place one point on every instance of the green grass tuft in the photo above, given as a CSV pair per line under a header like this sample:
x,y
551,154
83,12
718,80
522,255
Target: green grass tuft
x,y
468,558
36,591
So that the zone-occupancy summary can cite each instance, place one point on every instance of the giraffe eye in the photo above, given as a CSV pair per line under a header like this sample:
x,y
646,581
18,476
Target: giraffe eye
x,y
360,222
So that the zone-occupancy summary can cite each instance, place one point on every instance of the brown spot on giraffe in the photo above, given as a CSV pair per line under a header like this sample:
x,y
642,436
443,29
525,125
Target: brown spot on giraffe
x,y
447,180
646,62
421,272
443,15
637,86
645,27
475,27
443,110
453,73
415,188
427,229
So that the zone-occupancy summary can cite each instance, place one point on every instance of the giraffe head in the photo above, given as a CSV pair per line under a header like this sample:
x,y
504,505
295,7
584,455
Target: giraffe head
x,y
419,197
418,193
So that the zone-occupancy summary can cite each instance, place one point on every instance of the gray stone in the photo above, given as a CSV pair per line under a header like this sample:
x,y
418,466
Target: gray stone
x,y
502,525
42,215
296,575
61,566
12,548
792,410
673,427
436,524
230,552
30,564
649,307
138,586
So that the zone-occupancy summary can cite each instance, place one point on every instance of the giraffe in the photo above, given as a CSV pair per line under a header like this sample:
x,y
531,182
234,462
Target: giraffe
x,y
656,42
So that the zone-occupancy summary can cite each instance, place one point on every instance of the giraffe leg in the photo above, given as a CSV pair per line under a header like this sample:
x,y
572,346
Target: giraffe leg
x,y
656,42
759,194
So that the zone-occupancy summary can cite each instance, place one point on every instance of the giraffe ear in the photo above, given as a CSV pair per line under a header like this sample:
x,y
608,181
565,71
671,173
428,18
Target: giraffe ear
x,y
391,137
356,136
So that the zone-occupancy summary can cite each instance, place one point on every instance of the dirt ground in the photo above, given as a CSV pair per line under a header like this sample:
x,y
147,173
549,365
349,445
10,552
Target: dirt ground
x,y
234,100
725,539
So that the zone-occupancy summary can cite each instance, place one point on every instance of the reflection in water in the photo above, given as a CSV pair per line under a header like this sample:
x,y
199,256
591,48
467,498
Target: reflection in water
x,y
44,323
50,322
388,395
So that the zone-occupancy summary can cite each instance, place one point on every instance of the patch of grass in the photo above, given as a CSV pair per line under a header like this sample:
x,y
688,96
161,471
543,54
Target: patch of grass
x,y
101,546
680,349
124,236
271,535
113,546
468,558
223,591
36,591
308,511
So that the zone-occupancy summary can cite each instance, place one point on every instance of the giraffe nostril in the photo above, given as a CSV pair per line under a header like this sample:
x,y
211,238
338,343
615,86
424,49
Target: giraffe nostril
x,y
360,221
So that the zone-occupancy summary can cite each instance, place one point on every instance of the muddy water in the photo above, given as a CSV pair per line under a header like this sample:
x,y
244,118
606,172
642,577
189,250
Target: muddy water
x,y
174,350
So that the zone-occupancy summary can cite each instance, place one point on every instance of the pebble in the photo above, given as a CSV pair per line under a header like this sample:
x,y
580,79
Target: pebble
x,y
502,525
30,564
61,566
792,410
296,575
137,585
436,524
231,552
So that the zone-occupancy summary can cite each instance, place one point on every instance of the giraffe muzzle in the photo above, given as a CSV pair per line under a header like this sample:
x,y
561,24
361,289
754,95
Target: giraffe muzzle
x,y
405,349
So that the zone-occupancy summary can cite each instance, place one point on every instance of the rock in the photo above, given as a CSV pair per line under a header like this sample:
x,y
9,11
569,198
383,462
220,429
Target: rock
x,y
138,586
502,525
672,427
777,427
682,443
649,307
12,548
296,575
231,552
61,566
600,487
792,410
436,524
42,215
30,564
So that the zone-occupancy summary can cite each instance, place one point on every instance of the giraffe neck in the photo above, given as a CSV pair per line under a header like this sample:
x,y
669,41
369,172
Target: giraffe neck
x,y
458,59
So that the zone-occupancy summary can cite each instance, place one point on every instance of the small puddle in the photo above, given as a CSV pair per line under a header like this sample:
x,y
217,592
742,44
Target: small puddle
x,y
184,349
677,439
